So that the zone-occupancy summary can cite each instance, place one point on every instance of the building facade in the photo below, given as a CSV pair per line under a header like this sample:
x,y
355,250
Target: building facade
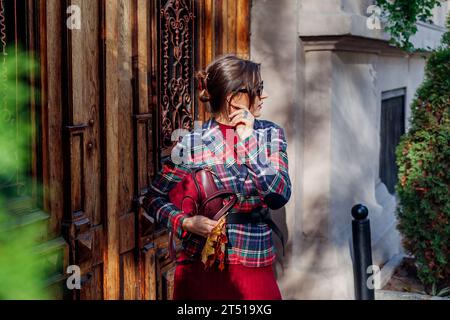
x,y
343,94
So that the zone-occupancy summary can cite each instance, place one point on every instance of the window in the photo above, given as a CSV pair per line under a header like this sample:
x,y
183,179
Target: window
x,y
391,129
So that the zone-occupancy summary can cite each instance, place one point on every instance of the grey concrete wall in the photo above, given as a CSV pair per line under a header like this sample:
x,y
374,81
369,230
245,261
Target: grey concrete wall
x,y
328,98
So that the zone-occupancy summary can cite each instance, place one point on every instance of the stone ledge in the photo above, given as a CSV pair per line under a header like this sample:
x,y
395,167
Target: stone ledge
x,y
320,23
351,44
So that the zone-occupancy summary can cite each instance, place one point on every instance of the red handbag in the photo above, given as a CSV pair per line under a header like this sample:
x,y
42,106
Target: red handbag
x,y
198,193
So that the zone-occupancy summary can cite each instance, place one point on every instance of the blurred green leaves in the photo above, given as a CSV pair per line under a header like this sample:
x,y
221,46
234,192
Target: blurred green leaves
x,y
22,273
14,97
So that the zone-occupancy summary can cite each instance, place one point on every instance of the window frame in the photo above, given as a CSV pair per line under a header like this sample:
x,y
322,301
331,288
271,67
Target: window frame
x,y
386,96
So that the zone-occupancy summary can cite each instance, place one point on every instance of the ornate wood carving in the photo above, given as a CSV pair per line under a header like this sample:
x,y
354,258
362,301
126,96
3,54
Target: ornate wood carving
x,y
176,39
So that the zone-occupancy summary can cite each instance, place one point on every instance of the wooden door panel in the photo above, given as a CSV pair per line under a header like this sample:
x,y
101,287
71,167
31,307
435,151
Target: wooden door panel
x,y
125,102
111,122
132,143
148,274
129,279
167,280
127,233
144,104
81,96
52,142
83,101
92,284
129,285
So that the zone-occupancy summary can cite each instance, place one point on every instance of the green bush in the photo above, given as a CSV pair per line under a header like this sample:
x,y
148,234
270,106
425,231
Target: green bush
x,y
423,158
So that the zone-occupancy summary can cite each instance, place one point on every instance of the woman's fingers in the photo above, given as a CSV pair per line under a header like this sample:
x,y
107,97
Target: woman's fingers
x,y
204,225
241,119
244,126
208,221
209,229
211,223
242,116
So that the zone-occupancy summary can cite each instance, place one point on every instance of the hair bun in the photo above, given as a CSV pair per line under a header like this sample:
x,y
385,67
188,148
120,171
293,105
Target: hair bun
x,y
204,96
202,77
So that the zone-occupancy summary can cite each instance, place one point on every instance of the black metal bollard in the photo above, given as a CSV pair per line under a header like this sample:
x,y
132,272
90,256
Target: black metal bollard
x,y
362,252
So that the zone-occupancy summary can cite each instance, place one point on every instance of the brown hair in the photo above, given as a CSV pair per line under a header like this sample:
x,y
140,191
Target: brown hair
x,y
226,75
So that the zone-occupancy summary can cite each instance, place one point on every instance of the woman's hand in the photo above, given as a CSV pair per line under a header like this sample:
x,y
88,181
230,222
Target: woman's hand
x,y
244,120
199,224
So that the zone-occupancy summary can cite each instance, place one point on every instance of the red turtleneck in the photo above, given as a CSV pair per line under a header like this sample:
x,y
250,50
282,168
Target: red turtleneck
x,y
231,130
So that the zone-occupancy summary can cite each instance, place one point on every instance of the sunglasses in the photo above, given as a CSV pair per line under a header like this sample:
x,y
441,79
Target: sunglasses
x,y
259,90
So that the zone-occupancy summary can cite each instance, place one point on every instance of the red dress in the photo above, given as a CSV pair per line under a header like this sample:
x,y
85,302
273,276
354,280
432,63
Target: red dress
x,y
235,282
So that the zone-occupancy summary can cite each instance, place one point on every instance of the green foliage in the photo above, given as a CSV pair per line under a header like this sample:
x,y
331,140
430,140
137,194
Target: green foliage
x,y
423,157
446,37
401,17
22,272
14,147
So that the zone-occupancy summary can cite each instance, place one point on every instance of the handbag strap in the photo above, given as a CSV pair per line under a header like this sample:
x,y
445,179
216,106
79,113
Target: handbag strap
x,y
215,195
225,208
197,186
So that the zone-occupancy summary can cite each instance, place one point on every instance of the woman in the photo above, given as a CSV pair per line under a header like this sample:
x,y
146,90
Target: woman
x,y
247,156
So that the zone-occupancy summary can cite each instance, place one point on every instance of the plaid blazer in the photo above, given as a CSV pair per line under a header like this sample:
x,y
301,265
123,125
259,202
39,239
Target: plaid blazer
x,y
259,176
